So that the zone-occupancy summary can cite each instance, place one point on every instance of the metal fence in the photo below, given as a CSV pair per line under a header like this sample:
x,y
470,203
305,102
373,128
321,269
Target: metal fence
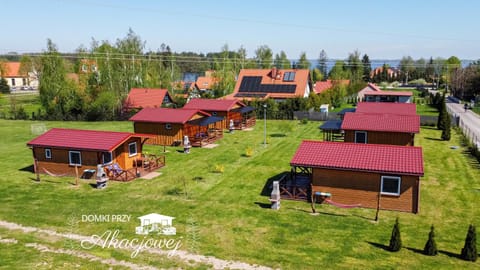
x,y
471,135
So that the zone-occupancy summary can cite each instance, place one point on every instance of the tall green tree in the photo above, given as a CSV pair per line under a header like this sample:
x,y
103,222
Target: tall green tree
x,y
442,114
322,63
407,67
355,66
367,68
303,62
469,250
4,88
264,57
339,72
395,239
281,61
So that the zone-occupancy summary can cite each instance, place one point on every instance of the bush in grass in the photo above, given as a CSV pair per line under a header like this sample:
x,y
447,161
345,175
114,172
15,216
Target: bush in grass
x,y
469,251
430,248
395,239
218,168
249,152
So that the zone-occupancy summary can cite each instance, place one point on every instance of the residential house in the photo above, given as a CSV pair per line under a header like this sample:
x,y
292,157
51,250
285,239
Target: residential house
x,y
387,108
169,126
139,98
373,128
16,80
72,152
371,87
240,114
369,175
388,96
322,86
278,84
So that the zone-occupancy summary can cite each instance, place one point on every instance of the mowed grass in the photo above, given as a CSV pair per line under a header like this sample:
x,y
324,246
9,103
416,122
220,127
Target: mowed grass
x,y
229,213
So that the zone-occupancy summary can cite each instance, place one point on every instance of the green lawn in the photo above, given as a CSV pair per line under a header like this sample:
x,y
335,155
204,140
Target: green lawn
x,y
228,210
29,101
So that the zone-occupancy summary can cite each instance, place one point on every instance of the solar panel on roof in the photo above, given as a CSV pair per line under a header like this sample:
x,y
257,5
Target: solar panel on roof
x,y
252,84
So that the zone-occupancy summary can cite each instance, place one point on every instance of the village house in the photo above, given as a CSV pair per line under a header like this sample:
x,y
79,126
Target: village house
x,y
139,98
368,175
16,80
241,115
322,86
376,128
278,84
169,126
387,108
371,87
389,96
72,152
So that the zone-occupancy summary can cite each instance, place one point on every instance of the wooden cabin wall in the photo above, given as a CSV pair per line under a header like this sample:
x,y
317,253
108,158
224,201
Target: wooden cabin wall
x,y
164,136
376,137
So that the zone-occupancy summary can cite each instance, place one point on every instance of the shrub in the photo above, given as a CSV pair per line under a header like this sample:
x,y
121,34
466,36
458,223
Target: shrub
x,y
430,248
469,251
395,239
249,152
218,168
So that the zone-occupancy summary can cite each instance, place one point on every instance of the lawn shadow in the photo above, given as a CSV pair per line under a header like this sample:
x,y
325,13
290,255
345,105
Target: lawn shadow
x,y
29,168
433,139
263,205
367,218
429,127
377,245
416,250
267,188
278,135
181,151
450,254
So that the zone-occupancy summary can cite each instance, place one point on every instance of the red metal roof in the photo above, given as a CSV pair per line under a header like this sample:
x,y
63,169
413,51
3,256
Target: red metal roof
x,y
145,98
166,115
393,159
387,107
381,122
81,139
213,104
389,93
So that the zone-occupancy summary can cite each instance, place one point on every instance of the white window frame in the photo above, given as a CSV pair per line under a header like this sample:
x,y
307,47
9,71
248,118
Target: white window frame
x,y
70,158
364,132
168,126
48,153
398,188
130,154
103,157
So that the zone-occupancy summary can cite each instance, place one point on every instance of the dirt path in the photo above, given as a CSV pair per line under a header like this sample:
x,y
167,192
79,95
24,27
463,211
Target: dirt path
x,y
179,254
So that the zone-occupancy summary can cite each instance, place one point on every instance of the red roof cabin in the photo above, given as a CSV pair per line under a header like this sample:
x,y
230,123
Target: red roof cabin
x,y
169,126
61,152
367,175
140,98
278,84
373,128
241,115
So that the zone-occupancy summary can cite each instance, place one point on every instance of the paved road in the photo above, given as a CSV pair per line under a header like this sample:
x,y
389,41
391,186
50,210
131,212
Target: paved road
x,y
469,121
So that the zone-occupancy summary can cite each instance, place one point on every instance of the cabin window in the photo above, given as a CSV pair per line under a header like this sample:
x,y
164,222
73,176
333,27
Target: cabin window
x,y
360,136
391,185
107,157
74,158
214,113
48,153
168,126
132,149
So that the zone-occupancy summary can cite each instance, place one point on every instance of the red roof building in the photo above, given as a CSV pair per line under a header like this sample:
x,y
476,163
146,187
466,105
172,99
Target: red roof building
x,y
387,108
322,86
380,128
71,152
356,174
273,83
235,112
139,98
388,96
170,126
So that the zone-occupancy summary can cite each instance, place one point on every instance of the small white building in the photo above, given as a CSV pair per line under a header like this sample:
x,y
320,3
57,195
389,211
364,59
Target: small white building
x,y
154,222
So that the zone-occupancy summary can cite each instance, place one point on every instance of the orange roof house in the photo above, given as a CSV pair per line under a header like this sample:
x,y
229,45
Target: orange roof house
x,y
204,83
11,74
322,86
140,98
273,83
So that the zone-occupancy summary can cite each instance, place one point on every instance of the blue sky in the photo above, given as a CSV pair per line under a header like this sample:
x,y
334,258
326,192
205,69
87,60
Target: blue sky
x,y
381,29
